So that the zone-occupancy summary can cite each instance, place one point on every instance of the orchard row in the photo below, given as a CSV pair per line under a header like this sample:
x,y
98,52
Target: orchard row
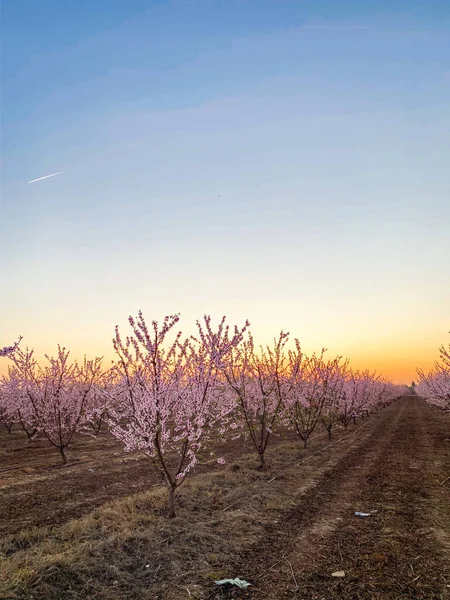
x,y
435,385
169,396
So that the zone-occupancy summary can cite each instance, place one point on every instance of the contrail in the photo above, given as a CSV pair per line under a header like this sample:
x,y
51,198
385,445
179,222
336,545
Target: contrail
x,y
45,177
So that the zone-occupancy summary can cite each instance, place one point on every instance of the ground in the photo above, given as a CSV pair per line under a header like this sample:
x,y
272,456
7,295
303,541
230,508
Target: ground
x,y
75,531
400,551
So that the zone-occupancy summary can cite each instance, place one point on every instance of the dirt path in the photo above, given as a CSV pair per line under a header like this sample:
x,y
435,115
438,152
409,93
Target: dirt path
x,y
402,550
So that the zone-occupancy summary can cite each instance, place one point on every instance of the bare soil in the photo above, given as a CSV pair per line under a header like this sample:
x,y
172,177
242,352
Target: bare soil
x,y
398,474
75,531
37,489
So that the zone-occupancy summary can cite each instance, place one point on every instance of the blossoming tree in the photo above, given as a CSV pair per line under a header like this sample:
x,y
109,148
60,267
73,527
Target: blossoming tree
x,y
304,392
435,385
168,393
100,402
15,403
7,416
334,382
253,380
54,398
8,350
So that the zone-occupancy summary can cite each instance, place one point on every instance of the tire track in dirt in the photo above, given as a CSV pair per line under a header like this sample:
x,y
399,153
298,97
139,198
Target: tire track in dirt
x,y
318,513
322,535
394,553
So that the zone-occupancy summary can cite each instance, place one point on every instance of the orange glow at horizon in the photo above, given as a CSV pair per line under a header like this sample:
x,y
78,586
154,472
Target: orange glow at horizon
x,y
396,364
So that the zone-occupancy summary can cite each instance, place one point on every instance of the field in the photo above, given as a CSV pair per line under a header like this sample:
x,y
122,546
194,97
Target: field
x,y
96,528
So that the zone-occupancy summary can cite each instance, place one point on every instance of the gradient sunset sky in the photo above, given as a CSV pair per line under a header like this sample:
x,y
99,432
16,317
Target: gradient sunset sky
x,y
286,161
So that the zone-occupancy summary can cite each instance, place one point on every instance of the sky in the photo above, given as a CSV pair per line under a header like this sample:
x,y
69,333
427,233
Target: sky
x,y
281,161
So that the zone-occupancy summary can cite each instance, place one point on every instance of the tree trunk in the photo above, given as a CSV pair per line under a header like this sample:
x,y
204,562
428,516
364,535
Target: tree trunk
x,y
262,462
171,505
354,420
97,426
63,456
305,443
329,431
30,434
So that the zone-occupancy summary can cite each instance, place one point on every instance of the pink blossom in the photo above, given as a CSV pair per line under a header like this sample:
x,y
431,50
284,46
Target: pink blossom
x,y
52,400
435,385
8,350
169,394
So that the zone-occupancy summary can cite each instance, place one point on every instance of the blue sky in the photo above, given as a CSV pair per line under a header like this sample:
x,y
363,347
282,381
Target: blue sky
x,y
281,160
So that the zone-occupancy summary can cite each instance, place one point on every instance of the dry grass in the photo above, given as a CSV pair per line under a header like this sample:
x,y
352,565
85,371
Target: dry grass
x,y
129,549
